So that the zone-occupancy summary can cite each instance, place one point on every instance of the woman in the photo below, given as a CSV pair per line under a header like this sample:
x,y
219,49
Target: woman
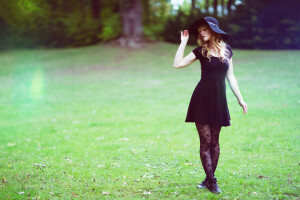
x,y
208,107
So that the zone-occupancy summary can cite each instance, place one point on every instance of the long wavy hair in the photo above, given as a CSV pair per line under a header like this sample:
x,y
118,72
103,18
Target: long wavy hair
x,y
217,42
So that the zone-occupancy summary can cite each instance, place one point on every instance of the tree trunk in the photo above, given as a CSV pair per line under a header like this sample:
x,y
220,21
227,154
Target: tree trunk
x,y
193,6
215,7
229,3
206,5
96,8
222,3
131,14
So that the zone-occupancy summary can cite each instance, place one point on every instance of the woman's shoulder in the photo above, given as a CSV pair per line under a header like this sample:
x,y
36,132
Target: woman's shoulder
x,y
198,48
197,51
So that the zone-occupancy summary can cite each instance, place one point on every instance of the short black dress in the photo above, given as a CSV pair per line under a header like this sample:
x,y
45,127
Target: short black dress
x,y
208,104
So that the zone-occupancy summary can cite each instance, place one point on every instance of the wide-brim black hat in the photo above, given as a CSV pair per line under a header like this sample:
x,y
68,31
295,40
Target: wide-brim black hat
x,y
213,24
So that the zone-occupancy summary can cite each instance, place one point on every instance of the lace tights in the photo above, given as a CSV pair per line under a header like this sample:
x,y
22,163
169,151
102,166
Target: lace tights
x,y
209,147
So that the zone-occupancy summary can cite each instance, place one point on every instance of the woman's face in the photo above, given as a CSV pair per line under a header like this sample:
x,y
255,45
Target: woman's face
x,y
205,33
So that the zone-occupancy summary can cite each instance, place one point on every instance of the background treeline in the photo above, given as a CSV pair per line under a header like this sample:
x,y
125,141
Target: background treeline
x,y
263,24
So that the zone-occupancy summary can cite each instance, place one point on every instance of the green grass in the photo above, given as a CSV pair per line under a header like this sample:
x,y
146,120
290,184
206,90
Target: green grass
x,y
103,122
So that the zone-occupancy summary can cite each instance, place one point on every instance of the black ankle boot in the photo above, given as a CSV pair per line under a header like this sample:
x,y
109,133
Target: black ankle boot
x,y
213,186
203,184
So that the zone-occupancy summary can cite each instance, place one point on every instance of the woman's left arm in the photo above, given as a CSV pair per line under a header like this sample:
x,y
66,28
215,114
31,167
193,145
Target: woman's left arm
x,y
234,87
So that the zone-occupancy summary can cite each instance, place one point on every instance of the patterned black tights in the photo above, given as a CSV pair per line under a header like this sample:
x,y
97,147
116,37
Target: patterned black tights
x,y
209,147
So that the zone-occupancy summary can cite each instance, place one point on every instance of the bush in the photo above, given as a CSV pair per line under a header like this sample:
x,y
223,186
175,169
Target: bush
x,y
111,25
50,24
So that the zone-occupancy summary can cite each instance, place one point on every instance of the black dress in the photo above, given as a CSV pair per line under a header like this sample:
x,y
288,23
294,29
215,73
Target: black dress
x,y
208,104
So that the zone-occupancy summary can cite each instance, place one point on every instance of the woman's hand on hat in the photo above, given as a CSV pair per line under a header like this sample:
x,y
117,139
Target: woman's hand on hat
x,y
244,106
184,36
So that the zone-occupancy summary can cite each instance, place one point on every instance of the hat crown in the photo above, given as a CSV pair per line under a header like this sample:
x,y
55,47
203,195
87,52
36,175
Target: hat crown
x,y
212,20
212,23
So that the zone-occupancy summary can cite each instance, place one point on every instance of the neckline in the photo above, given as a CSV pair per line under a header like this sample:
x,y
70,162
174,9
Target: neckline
x,y
212,55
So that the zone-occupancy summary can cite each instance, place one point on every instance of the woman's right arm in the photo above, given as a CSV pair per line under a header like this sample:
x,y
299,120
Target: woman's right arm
x,y
179,60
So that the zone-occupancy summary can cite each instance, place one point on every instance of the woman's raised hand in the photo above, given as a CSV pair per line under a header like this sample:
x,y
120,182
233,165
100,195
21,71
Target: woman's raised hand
x,y
184,36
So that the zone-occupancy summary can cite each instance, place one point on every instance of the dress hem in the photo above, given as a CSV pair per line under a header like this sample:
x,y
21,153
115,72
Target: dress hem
x,y
208,123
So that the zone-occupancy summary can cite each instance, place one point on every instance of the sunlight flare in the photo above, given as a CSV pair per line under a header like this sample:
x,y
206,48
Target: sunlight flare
x,y
37,85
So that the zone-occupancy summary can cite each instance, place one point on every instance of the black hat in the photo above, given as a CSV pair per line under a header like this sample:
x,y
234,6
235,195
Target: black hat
x,y
212,22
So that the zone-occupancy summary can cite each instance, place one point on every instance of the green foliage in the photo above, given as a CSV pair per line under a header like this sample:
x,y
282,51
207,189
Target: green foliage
x,y
260,24
153,32
81,29
110,21
186,7
111,27
50,23
155,14
28,6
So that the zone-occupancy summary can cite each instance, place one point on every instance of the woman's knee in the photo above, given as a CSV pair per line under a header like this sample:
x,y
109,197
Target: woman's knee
x,y
205,146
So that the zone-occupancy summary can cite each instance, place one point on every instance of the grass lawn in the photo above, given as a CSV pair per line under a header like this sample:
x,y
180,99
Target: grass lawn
x,y
102,122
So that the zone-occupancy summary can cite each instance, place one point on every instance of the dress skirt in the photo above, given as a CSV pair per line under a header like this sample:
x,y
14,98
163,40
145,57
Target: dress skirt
x,y
208,104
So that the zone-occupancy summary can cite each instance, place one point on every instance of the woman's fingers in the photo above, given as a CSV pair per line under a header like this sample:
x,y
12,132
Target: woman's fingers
x,y
184,33
245,108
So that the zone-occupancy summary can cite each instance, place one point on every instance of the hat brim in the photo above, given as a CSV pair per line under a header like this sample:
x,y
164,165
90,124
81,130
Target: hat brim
x,y
193,29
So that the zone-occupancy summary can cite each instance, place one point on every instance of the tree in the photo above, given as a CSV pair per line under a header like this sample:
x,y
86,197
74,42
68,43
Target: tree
x,y
215,7
193,6
222,4
96,8
132,27
229,3
206,5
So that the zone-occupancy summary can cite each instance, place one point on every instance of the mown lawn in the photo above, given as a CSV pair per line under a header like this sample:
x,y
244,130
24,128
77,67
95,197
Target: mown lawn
x,y
102,122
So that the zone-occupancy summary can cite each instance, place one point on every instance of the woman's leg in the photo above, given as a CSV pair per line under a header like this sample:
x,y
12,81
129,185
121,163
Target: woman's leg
x,y
205,143
215,146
